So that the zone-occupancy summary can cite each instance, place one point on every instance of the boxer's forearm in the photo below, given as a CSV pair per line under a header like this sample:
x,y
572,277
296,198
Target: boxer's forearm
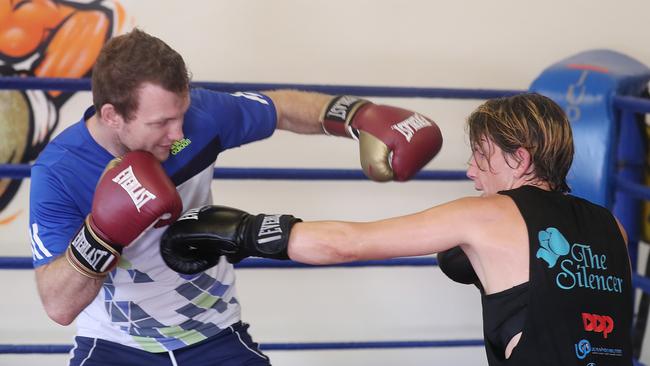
x,y
64,291
299,111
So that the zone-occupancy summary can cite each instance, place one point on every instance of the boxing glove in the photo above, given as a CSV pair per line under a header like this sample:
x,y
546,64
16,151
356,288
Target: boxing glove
x,y
455,264
202,235
394,143
133,194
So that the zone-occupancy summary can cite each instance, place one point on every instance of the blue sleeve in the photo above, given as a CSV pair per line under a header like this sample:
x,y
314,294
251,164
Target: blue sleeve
x,y
239,118
53,216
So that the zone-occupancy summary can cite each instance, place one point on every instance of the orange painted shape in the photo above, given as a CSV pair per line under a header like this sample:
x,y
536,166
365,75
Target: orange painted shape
x,y
588,67
25,25
76,45
120,15
11,218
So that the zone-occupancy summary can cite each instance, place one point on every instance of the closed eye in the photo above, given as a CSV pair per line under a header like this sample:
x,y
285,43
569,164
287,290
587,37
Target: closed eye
x,y
158,123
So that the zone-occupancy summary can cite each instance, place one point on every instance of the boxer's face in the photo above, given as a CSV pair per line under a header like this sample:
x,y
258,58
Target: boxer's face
x,y
490,169
157,122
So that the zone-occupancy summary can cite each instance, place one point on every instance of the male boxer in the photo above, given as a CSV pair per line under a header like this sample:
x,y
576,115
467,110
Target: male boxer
x,y
130,308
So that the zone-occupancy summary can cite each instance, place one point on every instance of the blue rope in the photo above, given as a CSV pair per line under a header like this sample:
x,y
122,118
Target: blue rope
x,y
323,174
369,345
19,171
15,171
58,349
632,104
641,282
35,83
303,346
65,84
34,348
638,105
252,263
638,281
637,190
270,263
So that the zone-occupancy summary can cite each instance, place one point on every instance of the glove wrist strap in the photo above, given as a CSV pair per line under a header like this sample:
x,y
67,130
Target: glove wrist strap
x,y
91,256
270,236
337,116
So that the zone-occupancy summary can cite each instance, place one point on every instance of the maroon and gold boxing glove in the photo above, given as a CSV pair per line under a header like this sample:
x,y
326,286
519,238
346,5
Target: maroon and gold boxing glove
x,y
394,143
133,194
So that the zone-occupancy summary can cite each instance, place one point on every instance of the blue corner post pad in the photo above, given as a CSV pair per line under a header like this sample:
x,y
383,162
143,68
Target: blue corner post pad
x,y
584,86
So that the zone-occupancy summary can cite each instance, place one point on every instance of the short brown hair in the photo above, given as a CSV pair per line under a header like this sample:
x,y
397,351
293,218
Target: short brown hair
x,y
127,61
531,121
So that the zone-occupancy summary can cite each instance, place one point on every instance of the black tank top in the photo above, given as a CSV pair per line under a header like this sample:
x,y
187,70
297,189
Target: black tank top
x,y
576,308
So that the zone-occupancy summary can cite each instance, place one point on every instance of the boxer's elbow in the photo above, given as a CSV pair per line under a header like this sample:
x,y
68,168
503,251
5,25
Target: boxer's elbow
x,y
57,306
59,314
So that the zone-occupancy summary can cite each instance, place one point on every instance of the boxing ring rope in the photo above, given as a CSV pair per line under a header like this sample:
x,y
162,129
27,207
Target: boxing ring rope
x,y
258,263
309,346
21,171
65,84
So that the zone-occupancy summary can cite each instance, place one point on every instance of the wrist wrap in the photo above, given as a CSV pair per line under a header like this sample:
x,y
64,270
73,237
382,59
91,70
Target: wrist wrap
x,y
91,256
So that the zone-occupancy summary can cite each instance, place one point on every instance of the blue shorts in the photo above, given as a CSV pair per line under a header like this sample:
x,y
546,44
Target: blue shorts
x,y
231,347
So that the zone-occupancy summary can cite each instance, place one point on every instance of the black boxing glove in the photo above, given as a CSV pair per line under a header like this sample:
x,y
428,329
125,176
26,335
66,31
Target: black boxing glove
x,y
202,235
455,264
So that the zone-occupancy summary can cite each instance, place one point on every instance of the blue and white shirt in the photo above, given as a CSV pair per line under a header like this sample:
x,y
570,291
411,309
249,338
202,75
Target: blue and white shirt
x,y
143,303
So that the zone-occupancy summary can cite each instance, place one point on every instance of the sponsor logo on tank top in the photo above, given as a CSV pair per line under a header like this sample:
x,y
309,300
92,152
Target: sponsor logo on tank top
x,y
598,323
584,348
579,265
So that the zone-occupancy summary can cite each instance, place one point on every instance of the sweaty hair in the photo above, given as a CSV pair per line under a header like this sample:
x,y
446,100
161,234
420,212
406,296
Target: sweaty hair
x,y
126,62
533,122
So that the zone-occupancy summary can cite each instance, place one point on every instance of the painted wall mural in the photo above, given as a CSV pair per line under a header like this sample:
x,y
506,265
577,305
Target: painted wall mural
x,y
45,38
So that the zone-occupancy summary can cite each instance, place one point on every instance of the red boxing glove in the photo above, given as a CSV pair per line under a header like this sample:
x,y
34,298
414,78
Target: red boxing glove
x,y
394,143
133,194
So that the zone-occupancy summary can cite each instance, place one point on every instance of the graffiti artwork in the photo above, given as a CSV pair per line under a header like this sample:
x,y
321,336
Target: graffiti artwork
x,y
45,38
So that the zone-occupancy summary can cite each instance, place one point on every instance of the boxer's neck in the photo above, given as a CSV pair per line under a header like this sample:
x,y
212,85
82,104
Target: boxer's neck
x,y
105,136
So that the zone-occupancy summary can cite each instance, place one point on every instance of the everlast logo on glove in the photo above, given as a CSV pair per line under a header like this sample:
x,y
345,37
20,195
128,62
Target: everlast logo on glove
x,y
139,195
271,235
270,226
90,255
191,214
341,107
411,125
337,115
94,257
